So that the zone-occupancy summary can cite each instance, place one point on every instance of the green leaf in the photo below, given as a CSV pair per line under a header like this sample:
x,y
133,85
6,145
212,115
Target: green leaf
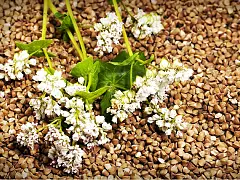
x,y
111,2
34,46
138,70
49,70
40,53
65,37
106,100
66,24
115,76
142,56
83,68
95,71
92,96
121,57
60,16
149,60
126,61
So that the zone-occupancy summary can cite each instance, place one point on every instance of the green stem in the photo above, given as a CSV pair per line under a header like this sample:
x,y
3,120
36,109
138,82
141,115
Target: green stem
x,y
44,31
143,62
44,127
80,39
70,35
48,59
89,82
119,87
123,29
131,74
44,25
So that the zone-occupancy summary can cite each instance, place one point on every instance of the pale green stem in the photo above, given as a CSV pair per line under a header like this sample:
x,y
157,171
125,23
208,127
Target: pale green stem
x,y
89,82
123,29
44,127
44,31
79,36
131,74
70,35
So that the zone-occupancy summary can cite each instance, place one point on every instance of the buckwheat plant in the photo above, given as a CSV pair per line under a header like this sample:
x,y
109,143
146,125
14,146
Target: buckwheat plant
x,y
127,83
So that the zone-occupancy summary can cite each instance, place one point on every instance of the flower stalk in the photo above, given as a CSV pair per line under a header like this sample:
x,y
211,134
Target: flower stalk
x,y
44,31
123,29
70,35
79,36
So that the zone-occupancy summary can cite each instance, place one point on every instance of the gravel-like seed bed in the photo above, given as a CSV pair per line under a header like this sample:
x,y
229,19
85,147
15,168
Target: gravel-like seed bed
x,y
203,34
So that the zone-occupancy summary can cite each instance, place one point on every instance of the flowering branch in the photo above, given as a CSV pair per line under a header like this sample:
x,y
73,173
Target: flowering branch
x,y
70,35
123,29
79,36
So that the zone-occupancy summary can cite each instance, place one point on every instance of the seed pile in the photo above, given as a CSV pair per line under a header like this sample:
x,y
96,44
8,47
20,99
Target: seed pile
x,y
203,34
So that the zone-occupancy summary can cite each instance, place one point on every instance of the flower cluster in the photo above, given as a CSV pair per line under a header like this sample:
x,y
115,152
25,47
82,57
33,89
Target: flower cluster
x,y
152,89
84,126
167,120
61,152
123,103
28,135
110,32
14,69
45,106
143,25
50,83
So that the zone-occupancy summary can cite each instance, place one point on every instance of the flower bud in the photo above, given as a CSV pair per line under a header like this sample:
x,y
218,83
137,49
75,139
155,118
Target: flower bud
x,y
164,64
176,64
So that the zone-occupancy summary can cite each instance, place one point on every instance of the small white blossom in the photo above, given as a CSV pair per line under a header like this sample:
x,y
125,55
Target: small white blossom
x,y
14,69
51,84
71,89
144,25
62,153
106,126
2,94
28,135
81,80
110,31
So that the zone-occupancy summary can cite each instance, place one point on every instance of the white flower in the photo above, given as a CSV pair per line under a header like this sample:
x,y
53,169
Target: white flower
x,y
2,94
168,132
19,75
32,62
145,25
51,84
173,113
71,89
110,31
56,93
100,119
28,135
14,68
106,126
164,64
81,80
75,137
